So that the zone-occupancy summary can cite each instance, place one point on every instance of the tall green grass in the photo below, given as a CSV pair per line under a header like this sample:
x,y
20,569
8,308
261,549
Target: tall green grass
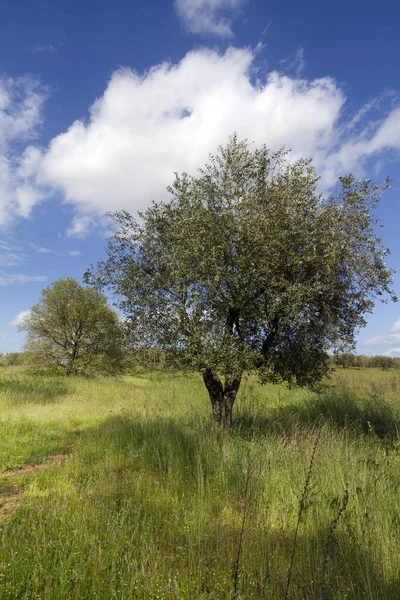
x,y
151,500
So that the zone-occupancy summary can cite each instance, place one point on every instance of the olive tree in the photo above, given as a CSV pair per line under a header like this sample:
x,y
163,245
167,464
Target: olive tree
x,y
248,269
382,362
73,330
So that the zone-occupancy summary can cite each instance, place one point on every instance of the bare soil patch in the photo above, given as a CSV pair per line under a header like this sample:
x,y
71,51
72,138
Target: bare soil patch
x,y
10,493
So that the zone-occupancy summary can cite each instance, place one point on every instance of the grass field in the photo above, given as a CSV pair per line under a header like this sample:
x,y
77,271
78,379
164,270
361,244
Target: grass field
x,y
123,488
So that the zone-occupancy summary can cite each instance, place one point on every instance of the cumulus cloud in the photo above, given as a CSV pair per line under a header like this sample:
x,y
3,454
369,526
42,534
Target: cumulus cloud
x,y
21,102
208,16
17,320
147,126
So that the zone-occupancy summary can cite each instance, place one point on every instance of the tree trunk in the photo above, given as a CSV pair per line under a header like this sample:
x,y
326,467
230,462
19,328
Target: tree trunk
x,y
222,397
70,363
68,368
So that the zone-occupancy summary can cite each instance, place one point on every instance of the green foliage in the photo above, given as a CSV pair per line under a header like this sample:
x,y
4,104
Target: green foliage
x,y
247,268
72,330
150,359
384,362
347,359
11,359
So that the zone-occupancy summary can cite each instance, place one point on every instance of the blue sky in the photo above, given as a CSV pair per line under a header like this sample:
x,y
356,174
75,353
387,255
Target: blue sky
x,y
101,102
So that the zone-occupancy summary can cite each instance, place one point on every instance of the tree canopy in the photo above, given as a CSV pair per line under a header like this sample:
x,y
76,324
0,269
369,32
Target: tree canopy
x,y
73,330
249,268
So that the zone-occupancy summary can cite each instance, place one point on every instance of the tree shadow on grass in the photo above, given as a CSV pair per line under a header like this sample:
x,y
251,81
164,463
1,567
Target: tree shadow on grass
x,y
340,409
343,567
206,554
19,390
159,443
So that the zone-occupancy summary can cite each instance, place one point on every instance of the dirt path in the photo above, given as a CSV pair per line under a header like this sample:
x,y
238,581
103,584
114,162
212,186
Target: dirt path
x,y
9,494
27,469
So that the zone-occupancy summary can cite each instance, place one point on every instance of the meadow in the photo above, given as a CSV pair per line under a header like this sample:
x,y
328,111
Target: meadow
x,y
124,488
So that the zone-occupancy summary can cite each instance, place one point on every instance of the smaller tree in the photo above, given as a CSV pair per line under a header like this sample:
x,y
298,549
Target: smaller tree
x,y
345,359
361,361
382,362
72,329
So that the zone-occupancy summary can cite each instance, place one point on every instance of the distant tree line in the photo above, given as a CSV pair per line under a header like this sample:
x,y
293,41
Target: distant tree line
x,y
379,361
11,359
156,359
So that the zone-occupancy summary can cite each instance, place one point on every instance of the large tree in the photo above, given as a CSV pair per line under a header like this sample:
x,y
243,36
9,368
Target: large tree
x,y
72,329
248,268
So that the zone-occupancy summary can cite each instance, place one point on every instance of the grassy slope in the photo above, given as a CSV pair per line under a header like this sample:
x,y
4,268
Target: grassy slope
x,y
150,502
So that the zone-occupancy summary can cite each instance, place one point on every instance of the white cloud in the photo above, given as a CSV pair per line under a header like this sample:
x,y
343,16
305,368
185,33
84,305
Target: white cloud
x,y
392,338
146,127
21,103
17,320
15,278
370,142
45,49
382,340
295,64
74,252
10,255
394,352
396,326
208,16
79,227
10,259
6,246
40,249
